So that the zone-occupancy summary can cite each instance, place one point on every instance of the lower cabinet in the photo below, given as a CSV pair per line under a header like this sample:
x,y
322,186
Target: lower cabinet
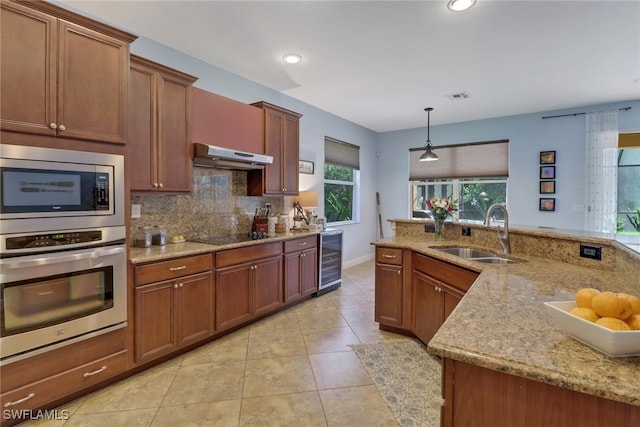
x,y
437,287
389,292
248,284
49,378
484,397
300,268
174,305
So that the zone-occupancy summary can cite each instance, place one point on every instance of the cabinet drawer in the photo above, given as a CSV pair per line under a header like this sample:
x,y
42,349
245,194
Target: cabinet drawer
x,y
38,394
248,254
389,256
166,270
450,274
301,244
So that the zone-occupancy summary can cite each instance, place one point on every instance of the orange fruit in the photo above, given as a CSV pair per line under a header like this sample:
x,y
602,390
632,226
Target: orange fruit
x,y
585,313
584,297
613,323
634,322
608,304
635,302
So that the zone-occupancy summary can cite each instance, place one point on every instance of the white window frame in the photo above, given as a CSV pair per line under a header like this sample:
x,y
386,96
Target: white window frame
x,y
355,207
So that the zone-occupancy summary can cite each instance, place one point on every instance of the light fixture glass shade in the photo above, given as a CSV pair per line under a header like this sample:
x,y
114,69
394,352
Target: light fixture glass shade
x,y
428,155
292,58
460,5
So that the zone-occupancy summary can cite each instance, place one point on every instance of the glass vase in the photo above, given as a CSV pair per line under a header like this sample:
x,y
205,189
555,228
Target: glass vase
x,y
439,226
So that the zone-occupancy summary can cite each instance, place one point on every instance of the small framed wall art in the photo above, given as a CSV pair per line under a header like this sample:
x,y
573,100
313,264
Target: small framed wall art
x,y
547,157
547,187
547,172
547,204
306,167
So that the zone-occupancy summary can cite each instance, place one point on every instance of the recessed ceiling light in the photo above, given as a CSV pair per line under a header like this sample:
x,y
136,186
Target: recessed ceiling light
x,y
292,58
460,5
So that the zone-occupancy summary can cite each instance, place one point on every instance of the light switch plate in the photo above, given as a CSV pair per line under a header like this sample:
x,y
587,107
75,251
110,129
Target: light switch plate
x,y
135,211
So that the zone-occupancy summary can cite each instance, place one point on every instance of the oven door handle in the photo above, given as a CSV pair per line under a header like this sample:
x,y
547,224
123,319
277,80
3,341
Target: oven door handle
x,y
58,259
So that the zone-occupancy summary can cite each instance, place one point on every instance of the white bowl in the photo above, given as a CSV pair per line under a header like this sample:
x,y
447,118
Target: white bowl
x,y
609,342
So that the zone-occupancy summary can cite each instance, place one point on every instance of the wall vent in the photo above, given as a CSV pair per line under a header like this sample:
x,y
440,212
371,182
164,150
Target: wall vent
x,y
459,96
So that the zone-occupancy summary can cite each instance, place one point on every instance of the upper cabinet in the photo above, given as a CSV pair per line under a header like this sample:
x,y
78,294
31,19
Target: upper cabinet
x,y
281,140
227,123
62,74
159,145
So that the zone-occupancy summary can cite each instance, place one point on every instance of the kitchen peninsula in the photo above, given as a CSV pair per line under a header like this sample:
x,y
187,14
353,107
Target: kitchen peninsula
x,y
512,365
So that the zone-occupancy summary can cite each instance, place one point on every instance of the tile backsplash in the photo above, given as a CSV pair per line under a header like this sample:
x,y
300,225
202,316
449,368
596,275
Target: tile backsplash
x,y
218,205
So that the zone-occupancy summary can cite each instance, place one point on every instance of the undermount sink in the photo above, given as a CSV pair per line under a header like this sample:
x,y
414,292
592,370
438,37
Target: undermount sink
x,y
476,255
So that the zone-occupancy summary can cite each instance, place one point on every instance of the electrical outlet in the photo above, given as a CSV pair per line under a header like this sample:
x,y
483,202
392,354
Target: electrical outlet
x,y
135,211
466,231
592,252
429,228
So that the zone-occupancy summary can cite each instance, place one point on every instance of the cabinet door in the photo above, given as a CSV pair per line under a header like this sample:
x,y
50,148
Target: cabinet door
x,y
27,70
427,306
155,320
233,300
274,128
267,285
292,285
309,272
195,308
451,298
174,134
141,147
290,155
93,76
388,294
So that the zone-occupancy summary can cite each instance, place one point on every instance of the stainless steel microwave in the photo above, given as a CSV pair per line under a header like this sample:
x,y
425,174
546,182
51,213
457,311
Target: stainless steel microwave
x,y
54,189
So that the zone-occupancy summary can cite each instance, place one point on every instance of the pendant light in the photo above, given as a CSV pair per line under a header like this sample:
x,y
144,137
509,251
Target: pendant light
x,y
428,155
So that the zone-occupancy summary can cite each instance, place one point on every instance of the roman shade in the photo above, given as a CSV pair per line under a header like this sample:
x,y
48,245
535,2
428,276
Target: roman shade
x,y
629,140
341,153
472,160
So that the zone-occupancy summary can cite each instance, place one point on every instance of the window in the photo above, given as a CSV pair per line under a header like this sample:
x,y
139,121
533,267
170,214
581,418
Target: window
x,y
628,188
475,195
341,181
474,174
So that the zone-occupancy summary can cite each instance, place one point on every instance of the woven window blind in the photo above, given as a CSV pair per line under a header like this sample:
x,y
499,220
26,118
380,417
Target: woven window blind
x,y
341,153
474,160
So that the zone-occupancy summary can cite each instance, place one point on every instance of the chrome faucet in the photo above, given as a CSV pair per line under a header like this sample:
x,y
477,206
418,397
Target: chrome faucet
x,y
503,237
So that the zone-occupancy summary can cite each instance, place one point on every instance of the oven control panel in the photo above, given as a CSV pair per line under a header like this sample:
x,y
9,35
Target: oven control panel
x,y
53,239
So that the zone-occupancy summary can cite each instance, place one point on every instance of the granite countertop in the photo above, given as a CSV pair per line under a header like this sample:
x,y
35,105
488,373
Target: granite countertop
x,y
176,250
502,324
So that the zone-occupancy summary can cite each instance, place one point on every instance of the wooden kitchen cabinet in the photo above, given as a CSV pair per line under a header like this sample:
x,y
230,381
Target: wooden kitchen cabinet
x,y
248,284
174,305
51,378
62,74
300,268
281,140
389,288
477,396
159,128
437,288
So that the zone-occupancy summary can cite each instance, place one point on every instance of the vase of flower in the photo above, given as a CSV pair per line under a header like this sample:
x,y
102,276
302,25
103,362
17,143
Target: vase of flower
x,y
441,208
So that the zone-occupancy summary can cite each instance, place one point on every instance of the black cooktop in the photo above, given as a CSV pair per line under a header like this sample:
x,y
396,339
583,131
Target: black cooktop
x,y
230,238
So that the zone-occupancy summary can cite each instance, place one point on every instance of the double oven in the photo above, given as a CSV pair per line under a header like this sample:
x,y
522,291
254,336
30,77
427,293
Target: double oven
x,y
62,248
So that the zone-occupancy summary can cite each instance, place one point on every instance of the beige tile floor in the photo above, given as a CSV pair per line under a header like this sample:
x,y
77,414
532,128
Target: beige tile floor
x,y
294,368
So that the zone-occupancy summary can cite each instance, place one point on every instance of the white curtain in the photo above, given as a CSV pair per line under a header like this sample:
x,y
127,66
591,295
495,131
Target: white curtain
x,y
601,171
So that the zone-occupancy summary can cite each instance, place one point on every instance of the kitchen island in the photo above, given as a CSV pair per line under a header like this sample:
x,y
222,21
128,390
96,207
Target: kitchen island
x,y
501,325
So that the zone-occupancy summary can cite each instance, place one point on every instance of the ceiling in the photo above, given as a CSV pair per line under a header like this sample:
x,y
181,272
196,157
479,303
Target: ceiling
x,y
380,63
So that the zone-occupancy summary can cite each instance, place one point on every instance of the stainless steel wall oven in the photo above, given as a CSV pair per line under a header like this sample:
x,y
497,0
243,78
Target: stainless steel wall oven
x,y
62,248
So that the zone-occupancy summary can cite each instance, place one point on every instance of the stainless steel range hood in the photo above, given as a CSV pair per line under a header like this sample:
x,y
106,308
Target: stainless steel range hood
x,y
226,158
